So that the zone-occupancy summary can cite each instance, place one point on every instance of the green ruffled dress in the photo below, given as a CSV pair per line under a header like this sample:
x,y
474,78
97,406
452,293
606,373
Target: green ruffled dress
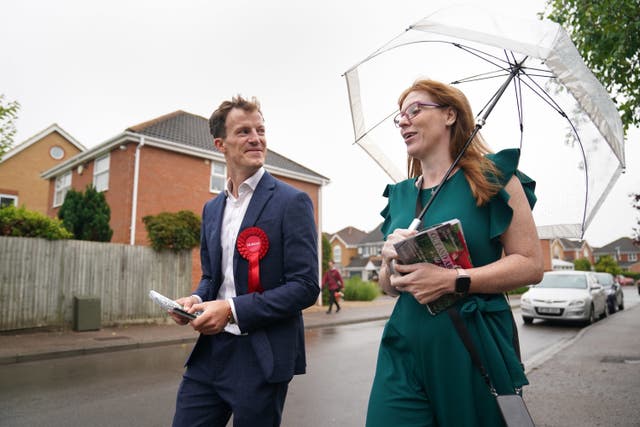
x,y
424,375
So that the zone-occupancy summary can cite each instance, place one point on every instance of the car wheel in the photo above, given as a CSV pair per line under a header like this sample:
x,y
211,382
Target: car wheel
x,y
611,305
527,320
606,311
592,315
621,306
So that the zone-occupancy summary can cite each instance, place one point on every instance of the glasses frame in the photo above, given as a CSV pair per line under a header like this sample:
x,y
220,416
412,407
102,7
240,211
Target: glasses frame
x,y
419,105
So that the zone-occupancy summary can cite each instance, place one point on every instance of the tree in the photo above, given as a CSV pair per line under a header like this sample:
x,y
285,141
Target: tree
x,y
582,264
636,231
608,265
326,253
8,114
86,215
607,35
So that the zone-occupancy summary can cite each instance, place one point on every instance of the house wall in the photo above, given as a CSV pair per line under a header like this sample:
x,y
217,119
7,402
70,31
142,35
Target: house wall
x,y
20,174
547,255
167,182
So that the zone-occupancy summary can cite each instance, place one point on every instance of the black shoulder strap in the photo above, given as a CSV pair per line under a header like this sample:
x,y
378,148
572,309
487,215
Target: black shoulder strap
x,y
463,332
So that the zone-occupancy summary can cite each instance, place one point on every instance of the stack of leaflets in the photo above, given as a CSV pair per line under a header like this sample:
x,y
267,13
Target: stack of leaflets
x,y
441,244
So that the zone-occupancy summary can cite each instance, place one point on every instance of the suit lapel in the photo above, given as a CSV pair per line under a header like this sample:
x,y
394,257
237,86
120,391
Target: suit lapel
x,y
215,251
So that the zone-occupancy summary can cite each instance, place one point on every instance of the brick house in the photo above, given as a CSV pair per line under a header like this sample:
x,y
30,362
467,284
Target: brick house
x,y
623,251
368,260
344,245
166,164
21,166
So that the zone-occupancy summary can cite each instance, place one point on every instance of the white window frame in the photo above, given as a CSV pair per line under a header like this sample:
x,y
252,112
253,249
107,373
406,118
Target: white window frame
x,y
101,167
62,186
337,254
217,175
9,196
633,257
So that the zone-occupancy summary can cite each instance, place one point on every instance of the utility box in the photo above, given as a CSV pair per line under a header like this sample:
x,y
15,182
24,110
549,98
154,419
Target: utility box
x,y
87,313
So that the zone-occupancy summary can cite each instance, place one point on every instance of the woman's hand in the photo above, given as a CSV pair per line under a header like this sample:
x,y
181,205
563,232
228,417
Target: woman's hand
x,y
426,282
389,255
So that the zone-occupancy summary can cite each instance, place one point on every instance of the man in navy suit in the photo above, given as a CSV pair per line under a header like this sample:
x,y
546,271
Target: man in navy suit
x,y
259,260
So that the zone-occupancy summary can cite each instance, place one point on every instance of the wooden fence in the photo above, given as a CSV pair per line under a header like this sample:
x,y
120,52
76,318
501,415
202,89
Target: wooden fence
x,y
39,279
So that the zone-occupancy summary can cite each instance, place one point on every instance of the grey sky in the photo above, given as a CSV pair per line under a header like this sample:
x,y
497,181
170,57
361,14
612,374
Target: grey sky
x,y
96,68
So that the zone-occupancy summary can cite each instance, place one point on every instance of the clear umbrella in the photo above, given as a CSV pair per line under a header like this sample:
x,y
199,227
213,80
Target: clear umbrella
x,y
530,89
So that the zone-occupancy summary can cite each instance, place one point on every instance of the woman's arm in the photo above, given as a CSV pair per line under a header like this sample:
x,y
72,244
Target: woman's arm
x,y
521,264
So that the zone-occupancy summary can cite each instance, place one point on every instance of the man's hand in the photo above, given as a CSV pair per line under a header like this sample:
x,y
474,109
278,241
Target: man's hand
x,y
214,317
187,303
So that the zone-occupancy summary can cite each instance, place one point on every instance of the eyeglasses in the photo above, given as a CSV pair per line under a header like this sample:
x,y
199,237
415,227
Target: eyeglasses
x,y
412,110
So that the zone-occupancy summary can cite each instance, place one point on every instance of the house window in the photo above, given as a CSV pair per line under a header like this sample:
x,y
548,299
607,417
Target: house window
x,y
56,152
101,173
63,184
218,177
8,200
337,254
633,257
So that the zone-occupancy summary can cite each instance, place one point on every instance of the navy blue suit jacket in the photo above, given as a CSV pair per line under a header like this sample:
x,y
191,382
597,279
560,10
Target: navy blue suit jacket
x,y
288,274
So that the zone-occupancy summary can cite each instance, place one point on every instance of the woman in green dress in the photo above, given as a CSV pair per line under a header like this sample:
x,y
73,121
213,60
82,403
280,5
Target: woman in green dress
x,y
424,374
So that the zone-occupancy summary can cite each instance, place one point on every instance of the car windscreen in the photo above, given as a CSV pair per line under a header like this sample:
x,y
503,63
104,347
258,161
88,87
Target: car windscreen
x,y
574,281
605,280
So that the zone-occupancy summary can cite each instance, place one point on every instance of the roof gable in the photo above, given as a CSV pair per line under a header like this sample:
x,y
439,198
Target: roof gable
x,y
374,236
193,131
350,236
38,137
623,244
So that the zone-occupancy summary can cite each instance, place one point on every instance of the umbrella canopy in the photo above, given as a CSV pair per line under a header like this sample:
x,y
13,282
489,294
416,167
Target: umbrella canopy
x,y
554,109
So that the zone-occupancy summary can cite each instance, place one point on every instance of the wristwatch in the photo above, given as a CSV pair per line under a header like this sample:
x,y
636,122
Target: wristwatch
x,y
463,281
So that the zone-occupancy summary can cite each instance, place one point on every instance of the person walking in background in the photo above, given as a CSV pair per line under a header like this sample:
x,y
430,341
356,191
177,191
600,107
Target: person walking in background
x,y
424,374
332,280
258,253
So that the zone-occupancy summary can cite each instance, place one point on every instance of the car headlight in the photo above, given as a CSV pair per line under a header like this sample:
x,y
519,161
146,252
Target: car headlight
x,y
577,303
525,300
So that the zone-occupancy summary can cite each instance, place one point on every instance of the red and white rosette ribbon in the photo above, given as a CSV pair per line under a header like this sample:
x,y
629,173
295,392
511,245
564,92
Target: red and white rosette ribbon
x,y
253,245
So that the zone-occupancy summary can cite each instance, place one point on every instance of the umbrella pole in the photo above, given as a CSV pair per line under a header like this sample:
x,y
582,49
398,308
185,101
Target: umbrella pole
x,y
481,121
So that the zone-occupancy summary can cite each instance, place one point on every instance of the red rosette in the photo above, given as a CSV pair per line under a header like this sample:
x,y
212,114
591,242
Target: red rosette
x,y
253,245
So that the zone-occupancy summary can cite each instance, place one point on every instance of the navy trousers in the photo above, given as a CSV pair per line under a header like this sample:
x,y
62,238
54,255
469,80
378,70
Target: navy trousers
x,y
224,377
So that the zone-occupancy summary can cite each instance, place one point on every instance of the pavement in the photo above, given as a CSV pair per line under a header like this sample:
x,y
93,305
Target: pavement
x,y
592,379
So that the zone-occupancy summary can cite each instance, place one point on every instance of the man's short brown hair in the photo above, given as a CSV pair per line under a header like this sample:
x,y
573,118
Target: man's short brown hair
x,y
218,119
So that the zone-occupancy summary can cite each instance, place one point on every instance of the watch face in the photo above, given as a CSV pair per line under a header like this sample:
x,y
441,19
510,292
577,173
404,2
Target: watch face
x,y
462,284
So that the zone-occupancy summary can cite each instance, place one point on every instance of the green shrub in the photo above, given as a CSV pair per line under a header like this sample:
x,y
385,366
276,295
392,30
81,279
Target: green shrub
x,y
355,289
20,222
518,291
176,231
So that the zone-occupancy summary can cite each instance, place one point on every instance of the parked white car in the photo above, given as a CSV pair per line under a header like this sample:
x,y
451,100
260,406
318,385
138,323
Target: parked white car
x,y
565,295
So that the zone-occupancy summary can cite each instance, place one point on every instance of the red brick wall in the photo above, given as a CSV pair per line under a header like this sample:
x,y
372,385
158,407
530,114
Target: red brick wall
x,y
167,182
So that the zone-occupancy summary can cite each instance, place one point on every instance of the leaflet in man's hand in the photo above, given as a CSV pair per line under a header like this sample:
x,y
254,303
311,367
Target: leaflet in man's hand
x,y
441,244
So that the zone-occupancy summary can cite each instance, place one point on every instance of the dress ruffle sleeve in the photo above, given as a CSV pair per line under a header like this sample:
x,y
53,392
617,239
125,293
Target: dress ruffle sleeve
x,y
506,161
385,212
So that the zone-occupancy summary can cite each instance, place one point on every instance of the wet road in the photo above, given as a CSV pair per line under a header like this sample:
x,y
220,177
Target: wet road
x,y
137,388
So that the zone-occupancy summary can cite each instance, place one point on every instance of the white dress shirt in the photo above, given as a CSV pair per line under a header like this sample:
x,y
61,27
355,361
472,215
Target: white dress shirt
x,y
234,212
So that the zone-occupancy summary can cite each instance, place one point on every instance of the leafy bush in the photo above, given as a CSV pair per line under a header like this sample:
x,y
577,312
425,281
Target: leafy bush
x,y
176,231
582,264
355,289
86,215
518,291
20,222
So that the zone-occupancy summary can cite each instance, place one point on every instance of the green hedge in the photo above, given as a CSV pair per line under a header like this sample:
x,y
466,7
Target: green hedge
x,y
20,222
176,231
355,289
